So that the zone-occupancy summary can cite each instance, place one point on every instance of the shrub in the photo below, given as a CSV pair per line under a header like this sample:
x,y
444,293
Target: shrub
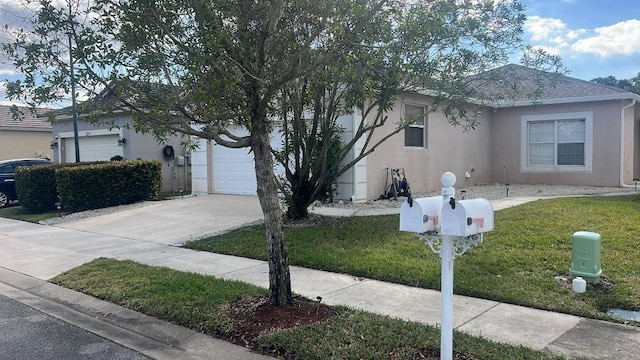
x,y
36,187
99,185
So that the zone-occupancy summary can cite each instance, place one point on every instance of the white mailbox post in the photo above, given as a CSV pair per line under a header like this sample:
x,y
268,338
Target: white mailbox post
x,y
450,228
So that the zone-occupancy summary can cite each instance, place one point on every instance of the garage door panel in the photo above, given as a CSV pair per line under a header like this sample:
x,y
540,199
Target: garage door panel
x,y
93,148
234,170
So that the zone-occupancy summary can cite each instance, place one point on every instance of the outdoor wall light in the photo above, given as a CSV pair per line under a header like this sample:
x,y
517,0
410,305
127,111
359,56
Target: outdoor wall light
x,y
121,141
53,145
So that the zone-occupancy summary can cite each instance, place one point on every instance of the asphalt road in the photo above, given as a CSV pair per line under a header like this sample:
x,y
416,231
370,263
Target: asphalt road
x,y
27,334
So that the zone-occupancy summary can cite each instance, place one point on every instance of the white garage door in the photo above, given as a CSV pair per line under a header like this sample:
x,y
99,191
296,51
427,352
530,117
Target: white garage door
x,y
92,148
233,169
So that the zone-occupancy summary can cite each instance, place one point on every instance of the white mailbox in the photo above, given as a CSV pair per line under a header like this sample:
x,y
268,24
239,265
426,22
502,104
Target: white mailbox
x,y
422,216
467,217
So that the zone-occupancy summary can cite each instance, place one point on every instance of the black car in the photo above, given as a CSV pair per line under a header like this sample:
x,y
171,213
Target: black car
x,y
8,175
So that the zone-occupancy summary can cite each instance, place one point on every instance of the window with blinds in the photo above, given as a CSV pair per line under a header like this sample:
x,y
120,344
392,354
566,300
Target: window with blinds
x,y
562,143
556,142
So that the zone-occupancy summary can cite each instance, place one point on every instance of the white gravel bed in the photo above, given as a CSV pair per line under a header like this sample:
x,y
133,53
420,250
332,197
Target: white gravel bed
x,y
91,213
492,192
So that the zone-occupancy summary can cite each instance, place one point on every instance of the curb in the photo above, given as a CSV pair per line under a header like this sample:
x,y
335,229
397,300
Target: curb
x,y
147,335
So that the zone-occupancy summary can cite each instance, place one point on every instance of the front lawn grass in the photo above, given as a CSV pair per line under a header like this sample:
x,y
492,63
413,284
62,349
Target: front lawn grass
x,y
20,213
522,261
199,302
186,299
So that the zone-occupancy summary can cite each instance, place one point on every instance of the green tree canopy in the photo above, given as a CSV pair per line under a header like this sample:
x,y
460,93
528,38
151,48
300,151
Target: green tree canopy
x,y
203,67
632,84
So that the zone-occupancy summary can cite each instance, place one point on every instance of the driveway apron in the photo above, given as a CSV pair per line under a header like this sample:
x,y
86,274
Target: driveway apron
x,y
175,221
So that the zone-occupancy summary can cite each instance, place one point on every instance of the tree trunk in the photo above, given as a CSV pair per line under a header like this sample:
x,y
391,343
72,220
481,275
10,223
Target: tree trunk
x,y
300,198
297,208
279,277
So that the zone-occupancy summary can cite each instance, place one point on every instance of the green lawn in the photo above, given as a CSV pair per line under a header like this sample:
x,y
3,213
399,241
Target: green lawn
x,y
19,213
202,303
517,263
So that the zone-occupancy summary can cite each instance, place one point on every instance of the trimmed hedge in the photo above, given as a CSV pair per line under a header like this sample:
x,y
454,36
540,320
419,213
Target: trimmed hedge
x,y
94,186
98,185
36,187
85,186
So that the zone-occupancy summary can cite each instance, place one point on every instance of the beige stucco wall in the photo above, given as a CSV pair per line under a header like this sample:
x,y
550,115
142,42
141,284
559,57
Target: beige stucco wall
x,y
631,167
25,144
175,174
506,145
635,135
448,148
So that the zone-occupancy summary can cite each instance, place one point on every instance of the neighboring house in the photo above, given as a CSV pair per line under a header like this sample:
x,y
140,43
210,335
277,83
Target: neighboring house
x,y
29,137
572,133
113,135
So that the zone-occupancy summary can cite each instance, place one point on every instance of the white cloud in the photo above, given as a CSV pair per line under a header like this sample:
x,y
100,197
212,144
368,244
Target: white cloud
x,y
2,92
7,71
542,29
551,34
556,37
622,38
548,49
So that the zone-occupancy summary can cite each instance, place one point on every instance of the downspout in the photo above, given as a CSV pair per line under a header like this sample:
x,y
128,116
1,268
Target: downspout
x,y
633,102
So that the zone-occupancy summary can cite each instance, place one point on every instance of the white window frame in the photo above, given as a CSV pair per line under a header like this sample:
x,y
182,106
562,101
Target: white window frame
x,y
423,126
588,143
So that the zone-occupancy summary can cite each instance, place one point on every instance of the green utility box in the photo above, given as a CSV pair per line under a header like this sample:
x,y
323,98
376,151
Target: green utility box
x,y
585,256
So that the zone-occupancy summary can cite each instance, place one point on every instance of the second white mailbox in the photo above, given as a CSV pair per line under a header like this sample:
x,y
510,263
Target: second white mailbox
x,y
467,217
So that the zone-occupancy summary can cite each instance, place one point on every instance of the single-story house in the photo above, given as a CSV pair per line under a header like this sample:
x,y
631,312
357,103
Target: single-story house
x,y
112,136
29,137
575,132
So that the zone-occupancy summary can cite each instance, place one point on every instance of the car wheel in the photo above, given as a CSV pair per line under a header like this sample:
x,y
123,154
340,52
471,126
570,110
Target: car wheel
x,y
4,200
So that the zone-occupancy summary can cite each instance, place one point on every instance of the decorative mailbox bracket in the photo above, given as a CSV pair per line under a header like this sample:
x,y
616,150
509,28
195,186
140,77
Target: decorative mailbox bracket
x,y
449,228
460,244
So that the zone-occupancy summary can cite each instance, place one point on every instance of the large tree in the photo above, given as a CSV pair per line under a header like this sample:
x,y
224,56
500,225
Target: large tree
x,y
207,67
632,84
441,48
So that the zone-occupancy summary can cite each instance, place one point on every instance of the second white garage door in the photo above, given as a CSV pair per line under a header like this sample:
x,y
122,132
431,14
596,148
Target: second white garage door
x,y
234,172
233,169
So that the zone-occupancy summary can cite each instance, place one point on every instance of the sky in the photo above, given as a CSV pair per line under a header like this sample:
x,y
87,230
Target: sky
x,y
594,38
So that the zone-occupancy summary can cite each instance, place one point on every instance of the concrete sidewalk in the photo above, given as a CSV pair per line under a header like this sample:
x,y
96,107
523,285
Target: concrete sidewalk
x,y
41,252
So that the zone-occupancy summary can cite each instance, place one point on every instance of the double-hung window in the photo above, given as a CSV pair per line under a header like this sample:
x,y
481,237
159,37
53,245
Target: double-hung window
x,y
557,142
415,133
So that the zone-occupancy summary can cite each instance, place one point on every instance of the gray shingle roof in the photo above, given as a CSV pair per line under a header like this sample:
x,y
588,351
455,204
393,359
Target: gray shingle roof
x,y
119,96
518,85
28,120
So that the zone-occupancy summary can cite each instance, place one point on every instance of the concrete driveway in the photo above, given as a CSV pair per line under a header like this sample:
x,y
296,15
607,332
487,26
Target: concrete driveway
x,y
175,221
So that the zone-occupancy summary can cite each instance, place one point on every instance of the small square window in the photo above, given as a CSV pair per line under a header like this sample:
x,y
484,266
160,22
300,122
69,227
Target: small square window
x,y
415,133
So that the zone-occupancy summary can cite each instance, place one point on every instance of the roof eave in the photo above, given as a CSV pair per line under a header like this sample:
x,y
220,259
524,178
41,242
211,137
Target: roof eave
x,y
64,117
25,128
569,100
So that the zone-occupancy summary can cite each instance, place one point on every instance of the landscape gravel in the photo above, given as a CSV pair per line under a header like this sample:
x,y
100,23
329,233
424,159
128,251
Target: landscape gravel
x,y
97,212
493,192
490,192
